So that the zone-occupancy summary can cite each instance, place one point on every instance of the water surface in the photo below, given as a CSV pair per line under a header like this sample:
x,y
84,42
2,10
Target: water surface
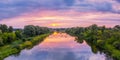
x,y
58,46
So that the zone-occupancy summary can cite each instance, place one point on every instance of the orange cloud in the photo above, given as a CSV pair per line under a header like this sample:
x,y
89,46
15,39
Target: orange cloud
x,y
57,19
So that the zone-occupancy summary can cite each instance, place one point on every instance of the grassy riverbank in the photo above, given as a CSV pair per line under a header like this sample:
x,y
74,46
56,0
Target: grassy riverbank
x,y
100,38
17,46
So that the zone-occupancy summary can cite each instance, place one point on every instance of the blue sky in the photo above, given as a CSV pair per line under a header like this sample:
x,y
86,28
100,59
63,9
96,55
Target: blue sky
x,y
10,9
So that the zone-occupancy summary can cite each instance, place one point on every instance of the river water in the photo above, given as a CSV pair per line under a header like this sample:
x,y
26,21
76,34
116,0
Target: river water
x,y
58,46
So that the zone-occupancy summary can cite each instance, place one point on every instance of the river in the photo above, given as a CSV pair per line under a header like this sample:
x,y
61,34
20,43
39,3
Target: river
x,y
58,46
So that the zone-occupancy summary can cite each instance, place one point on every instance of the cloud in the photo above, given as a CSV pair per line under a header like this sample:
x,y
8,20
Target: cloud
x,y
69,2
65,19
22,6
118,1
13,8
103,6
84,10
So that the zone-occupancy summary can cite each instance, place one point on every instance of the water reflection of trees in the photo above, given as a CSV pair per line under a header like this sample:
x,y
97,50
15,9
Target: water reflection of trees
x,y
94,48
100,38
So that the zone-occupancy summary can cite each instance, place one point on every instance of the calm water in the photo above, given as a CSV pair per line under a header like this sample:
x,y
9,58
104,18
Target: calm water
x,y
58,46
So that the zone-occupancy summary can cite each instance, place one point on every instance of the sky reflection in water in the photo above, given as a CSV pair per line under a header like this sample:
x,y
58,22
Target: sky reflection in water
x,y
58,46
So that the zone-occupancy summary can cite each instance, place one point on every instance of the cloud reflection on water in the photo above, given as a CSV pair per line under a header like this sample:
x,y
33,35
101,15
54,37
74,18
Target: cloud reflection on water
x,y
59,47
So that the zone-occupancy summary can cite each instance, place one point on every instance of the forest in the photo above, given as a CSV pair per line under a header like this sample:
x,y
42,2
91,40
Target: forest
x,y
12,40
100,38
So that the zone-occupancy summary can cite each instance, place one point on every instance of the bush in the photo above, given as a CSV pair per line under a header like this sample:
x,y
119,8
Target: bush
x,y
116,44
28,43
100,42
8,37
1,41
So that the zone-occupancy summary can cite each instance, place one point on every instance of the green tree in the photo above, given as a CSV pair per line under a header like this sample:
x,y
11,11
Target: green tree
x,y
29,30
3,27
18,34
0,32
117,27
38,30
100,38
8,37
10,29
1,41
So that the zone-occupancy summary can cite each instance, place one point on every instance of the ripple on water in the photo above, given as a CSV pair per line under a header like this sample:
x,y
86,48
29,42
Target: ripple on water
x,y
58,46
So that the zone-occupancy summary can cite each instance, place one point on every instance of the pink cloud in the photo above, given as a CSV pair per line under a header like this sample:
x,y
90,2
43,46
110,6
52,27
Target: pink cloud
x,y
63,18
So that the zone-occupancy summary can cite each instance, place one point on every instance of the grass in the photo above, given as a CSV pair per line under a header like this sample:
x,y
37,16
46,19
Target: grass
x,y
18,45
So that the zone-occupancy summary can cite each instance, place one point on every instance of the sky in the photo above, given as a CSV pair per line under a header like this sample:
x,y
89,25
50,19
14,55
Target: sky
x,y
59,13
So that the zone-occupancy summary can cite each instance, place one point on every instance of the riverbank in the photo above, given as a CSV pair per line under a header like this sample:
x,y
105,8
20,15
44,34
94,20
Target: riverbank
x,y
19,45
100,38
110,51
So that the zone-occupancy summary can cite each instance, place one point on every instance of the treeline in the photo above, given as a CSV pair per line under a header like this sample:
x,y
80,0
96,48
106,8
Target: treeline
x,y
5,28
12,41
7,35
100,38
31,30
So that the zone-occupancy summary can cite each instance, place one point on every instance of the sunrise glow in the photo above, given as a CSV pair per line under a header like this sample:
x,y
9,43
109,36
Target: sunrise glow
x,y
60,29
55,33
54,24
65,14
